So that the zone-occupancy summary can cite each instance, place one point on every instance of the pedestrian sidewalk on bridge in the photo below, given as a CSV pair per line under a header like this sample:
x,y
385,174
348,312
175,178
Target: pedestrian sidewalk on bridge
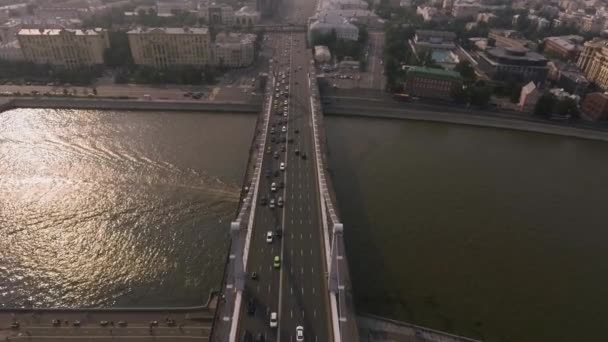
x,y
378,329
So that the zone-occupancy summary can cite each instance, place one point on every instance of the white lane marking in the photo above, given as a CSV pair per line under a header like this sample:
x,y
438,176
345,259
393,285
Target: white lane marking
x,y
257,290
300,221
262,249
302,290
312,269
291,290
313,290
301,252
311,252
314,312
268,288
301,236
291,313
302,272
310,235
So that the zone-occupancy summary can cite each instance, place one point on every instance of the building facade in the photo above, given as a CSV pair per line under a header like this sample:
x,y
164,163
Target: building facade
x,y
9,30
528,98
163,47
217,14
593,62
595,106
11,51
566,47
513,64
432,83
234,50
64,47
246,16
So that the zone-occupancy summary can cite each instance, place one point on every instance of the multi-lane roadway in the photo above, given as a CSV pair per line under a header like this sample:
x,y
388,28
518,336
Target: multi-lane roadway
x,y
294,287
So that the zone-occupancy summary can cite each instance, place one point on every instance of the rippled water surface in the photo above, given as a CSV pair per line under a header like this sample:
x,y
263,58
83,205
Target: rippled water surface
x,y
116,208
493,234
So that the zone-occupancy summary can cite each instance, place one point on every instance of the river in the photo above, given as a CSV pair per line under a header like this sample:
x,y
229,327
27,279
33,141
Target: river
x,y
493,234
117,208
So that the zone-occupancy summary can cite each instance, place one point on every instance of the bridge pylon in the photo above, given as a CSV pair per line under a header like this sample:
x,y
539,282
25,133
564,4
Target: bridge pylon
x,y
334,276
237,257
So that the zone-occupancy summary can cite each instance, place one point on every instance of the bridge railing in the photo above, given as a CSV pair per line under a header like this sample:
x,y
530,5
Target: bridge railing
x,y
341,303
227,315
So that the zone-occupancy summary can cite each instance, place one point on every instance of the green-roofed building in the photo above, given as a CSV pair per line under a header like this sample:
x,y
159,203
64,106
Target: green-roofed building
x,y
431,82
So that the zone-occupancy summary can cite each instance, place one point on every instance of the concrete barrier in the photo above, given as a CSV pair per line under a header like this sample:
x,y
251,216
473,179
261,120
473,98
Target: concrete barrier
x,y
147,105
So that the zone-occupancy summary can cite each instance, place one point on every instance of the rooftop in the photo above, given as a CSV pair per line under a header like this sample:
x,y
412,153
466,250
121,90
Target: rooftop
x,y
434,73
170,30
437,34
53,32
515,54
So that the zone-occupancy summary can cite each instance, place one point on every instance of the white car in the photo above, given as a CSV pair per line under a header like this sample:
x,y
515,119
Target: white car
x,y
300,333
282,166
271,204
269,237
274,321
273,186
283,129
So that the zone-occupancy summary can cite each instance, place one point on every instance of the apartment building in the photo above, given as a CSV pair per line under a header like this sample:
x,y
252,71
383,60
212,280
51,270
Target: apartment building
x,y
593,61
162,47
234,50
64,47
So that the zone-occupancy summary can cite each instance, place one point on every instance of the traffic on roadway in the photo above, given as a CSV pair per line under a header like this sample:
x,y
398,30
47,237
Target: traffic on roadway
x,y
285,297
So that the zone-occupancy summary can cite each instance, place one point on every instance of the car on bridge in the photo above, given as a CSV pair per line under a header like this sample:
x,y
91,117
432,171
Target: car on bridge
x,y
273,187
282,166
277,262
274,319
300,334
269,236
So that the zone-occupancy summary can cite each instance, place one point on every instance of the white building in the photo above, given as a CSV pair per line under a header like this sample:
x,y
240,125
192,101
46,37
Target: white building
x,y
11,51
217,14
162,47
234,50
322,54
246,16
65,47
427,12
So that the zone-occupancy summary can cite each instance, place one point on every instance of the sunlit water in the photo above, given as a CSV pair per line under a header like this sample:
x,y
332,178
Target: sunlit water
x,y
493,234
116,208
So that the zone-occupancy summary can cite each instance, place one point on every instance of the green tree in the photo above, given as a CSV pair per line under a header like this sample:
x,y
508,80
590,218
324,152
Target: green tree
x,y
466,70
545,105
566,107
480,95
460,95
119,52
